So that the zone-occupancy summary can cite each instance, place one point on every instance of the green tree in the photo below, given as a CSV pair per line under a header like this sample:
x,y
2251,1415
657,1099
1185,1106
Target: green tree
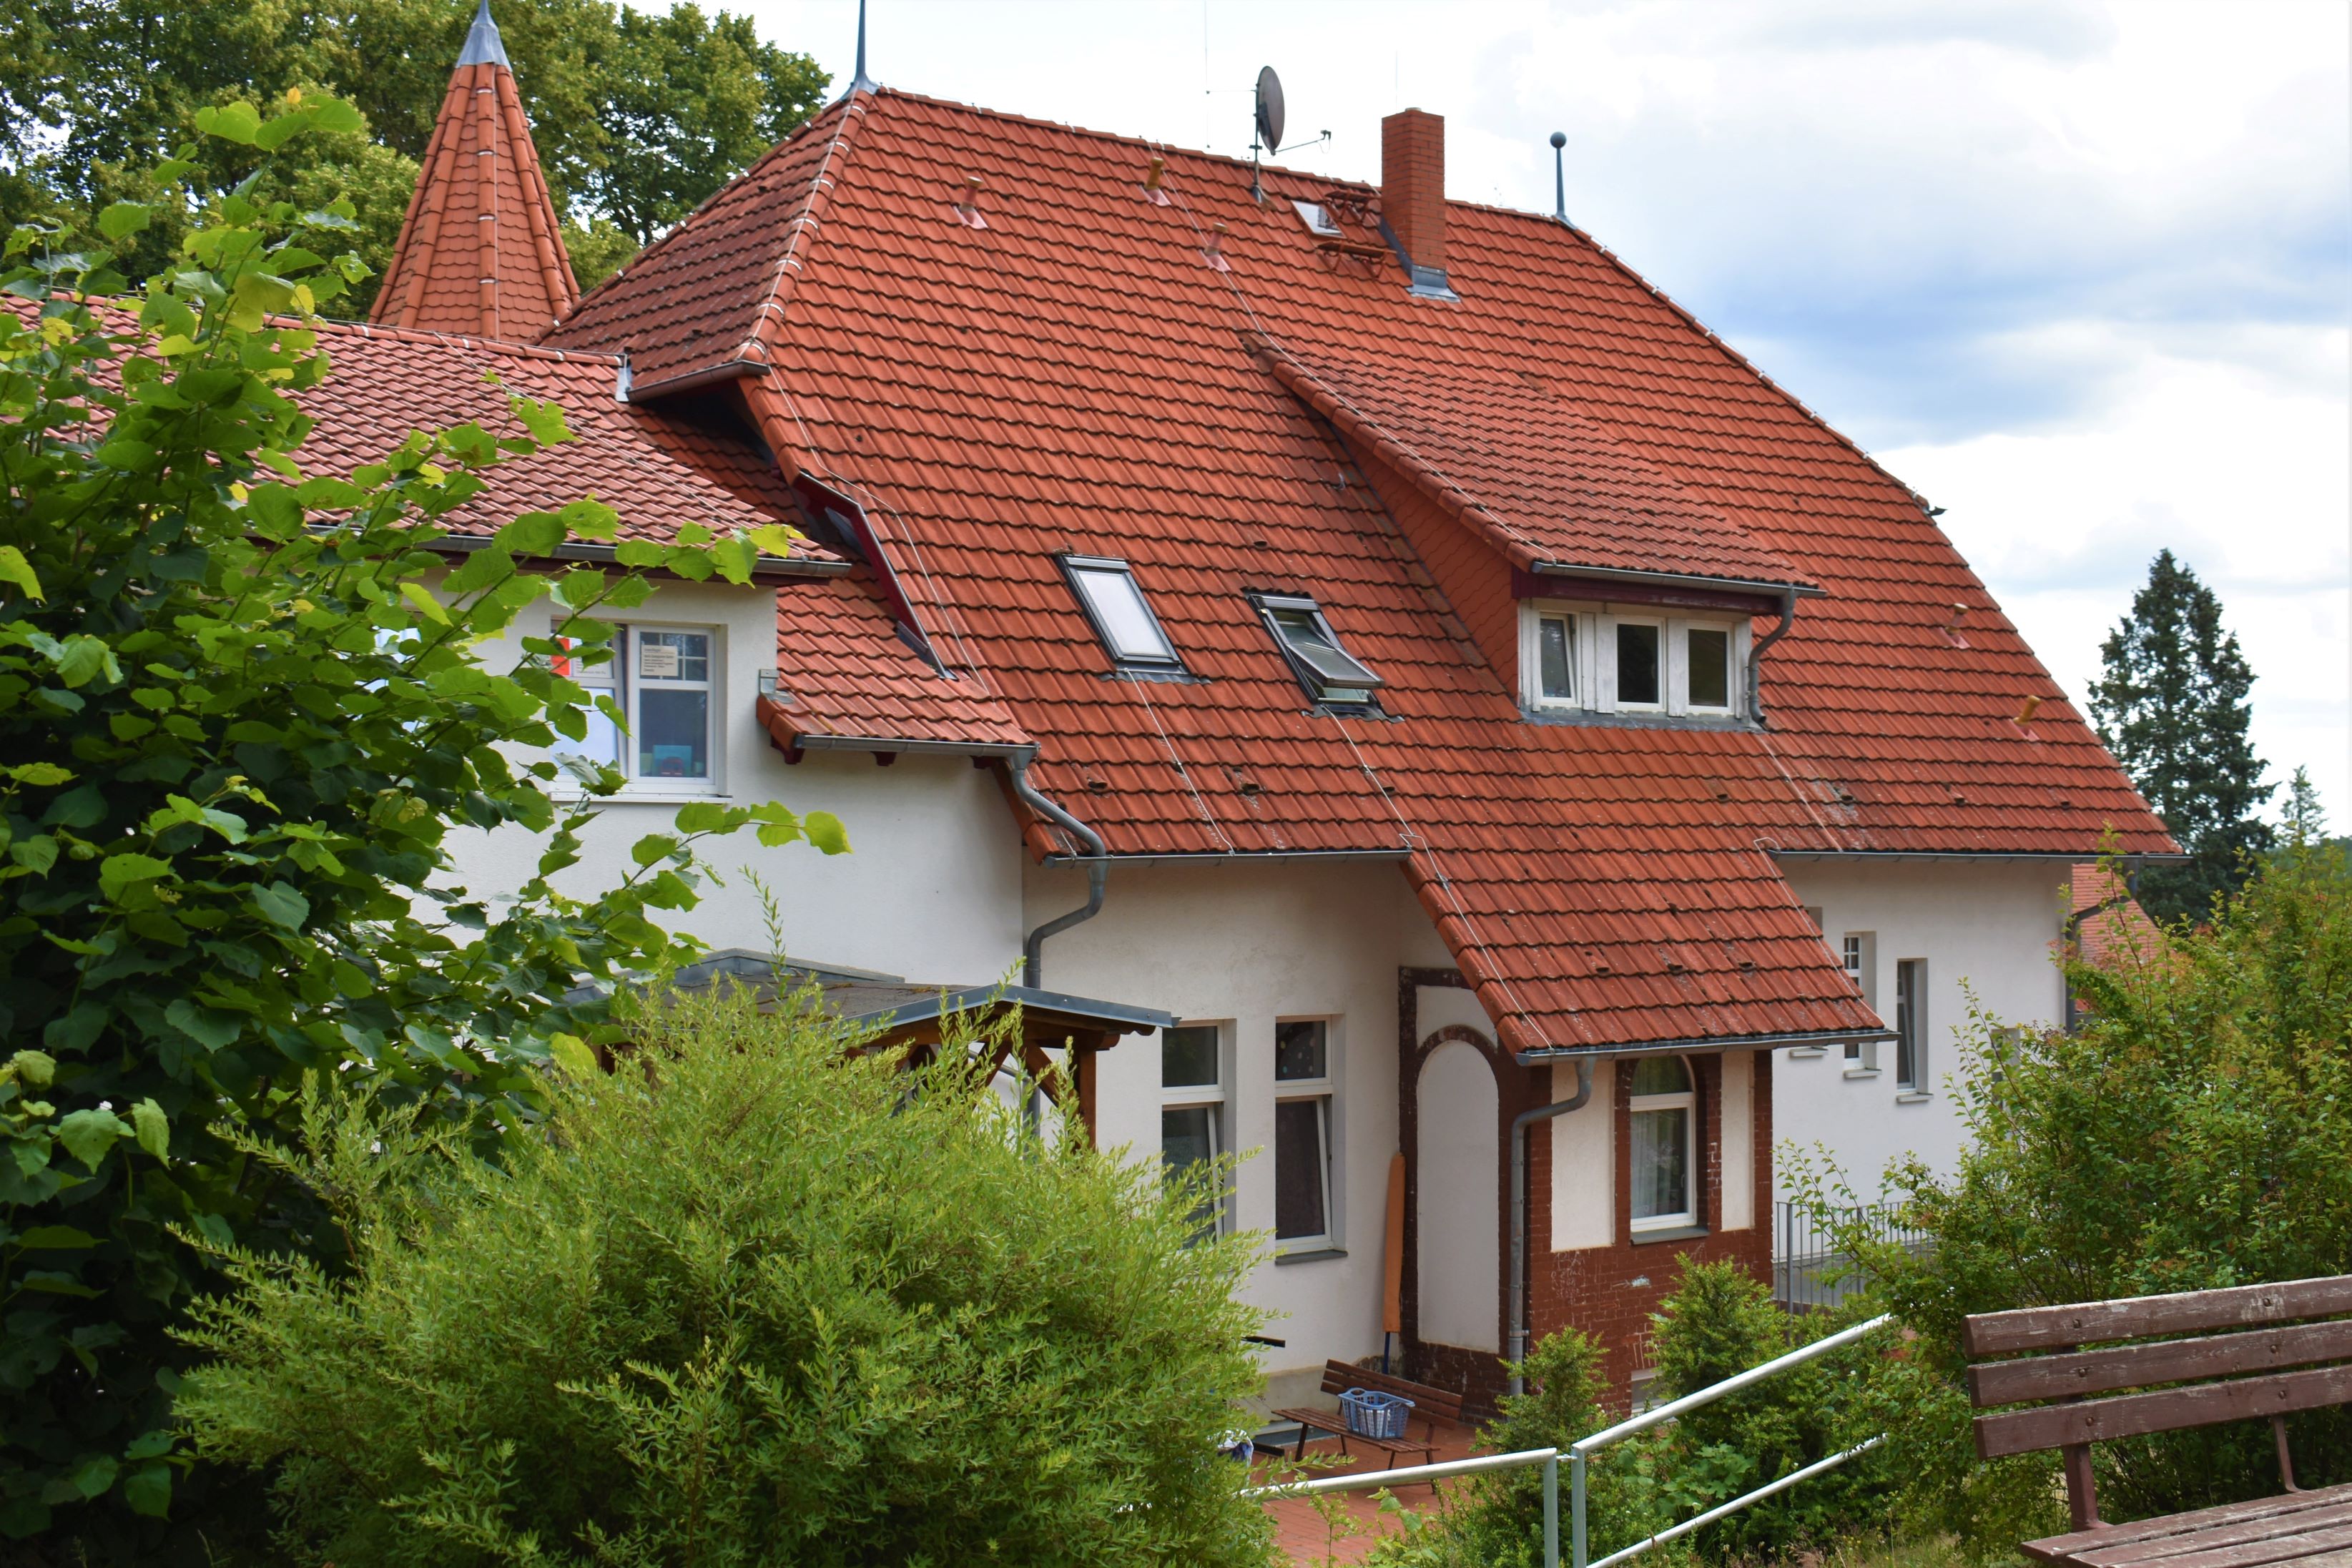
x,y
762,1298
638,118
2171,705
242,716
2196,1132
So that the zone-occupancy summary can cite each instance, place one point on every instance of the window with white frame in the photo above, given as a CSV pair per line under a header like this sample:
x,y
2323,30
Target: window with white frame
x,y
1911,1025
1596,659
1664,1109
1304,1088
1858,951
1192,1103
663,682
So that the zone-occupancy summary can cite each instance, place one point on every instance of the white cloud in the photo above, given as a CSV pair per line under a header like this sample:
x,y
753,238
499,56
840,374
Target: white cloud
x,y
2078,270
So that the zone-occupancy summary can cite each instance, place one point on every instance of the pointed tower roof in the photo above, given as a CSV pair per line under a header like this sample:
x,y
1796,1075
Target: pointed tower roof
x,y
481,252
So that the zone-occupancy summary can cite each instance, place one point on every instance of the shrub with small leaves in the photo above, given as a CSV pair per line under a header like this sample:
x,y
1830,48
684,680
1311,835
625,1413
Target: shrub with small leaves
x,y
241,712
758,1296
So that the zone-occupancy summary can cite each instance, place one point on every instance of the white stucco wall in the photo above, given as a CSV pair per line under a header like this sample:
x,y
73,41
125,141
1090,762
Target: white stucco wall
x,y
1583,1163
1985,930
1245,946
931,890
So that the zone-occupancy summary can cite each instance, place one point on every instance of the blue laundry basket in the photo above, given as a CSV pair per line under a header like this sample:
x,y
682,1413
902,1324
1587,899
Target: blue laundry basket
x,y
1372,1415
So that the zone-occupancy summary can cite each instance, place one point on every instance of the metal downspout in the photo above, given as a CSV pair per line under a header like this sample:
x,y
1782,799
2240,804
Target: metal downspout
x,y
1519,1125
1032,946
1756,656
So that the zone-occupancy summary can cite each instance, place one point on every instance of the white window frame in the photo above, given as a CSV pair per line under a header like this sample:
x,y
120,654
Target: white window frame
x,y
1911,1026
1858,953
618,677
1215,1098
1593,660
1686,1101
1325,1093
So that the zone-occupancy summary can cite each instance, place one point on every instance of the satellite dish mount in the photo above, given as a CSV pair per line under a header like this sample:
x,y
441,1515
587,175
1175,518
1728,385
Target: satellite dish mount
x,y
1269,126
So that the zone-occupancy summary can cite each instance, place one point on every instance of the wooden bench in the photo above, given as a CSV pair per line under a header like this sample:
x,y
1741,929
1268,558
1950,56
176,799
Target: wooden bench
x,y
1431,1408
2274,1331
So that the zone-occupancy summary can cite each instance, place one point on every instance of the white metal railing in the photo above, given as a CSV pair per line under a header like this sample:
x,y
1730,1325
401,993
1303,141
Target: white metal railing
x,y
1585,1447
1547,1457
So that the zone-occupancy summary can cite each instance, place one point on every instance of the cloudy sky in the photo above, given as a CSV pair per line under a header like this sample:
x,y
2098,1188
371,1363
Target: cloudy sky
x,y
2079,273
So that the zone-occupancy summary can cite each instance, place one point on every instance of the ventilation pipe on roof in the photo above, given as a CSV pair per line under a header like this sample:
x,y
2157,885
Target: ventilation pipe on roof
x,y
1756,656
1519,1125
1032,946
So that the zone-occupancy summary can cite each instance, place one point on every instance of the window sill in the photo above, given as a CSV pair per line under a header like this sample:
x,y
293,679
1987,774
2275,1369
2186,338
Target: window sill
x,y
1913,1097
1671,1233
1310,1255
643,798
1808,1051
1638,718
1862,1072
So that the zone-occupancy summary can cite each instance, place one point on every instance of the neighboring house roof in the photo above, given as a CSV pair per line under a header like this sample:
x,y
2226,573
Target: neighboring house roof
x,y
2106,926
1213,392
481,250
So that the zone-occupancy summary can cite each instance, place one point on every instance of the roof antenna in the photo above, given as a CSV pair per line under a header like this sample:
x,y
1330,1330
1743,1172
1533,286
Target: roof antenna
x,y
861,82
1559,179
1269,126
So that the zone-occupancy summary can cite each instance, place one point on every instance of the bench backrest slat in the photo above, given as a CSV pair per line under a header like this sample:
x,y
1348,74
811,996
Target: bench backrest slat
x,y
2192,1312
1338,1377
2165,1360
2061,1425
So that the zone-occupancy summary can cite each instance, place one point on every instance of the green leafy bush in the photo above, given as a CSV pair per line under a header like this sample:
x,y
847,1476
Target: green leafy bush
x,y
241,714
757,1301
2196,1132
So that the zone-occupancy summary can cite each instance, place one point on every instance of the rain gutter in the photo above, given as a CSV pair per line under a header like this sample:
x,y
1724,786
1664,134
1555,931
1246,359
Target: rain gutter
x,y
1097,861
1519,1125
1547,1053
1762,645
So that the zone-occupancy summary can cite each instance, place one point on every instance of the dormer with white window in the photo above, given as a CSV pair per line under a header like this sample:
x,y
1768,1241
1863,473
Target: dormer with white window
x,y
1581,659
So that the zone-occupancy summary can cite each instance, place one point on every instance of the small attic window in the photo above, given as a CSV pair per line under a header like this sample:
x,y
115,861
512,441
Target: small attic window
x,y
1330,675
1317,219
1114,606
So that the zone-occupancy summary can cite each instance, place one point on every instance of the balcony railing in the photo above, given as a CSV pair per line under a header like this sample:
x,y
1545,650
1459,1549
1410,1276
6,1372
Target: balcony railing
x,y
1810,1273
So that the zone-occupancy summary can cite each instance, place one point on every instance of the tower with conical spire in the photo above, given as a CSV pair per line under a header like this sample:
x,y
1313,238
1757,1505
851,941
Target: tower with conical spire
x,y
481,251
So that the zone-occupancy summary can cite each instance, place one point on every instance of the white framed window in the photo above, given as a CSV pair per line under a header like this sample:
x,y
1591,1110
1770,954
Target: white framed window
x,y
1858,952
1193,1103
1305,1086
1911,1025
1664,1117
1121,617
1330,675
1600,661
666,682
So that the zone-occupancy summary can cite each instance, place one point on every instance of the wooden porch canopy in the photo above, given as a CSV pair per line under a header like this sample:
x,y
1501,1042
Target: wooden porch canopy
x,y
905,1012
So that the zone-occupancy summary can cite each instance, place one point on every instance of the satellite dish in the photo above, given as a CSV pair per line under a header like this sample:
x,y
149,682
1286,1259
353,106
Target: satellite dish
x,y
1269,110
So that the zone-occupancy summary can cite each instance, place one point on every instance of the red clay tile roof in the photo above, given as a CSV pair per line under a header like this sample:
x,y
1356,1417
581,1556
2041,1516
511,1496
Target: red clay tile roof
x,y
2111,931
1083,373
481,251
657,468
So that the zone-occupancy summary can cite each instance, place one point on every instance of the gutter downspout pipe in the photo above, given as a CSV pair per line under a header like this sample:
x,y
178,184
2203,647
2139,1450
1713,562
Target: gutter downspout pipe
x,y
1519,1125
1756,656
1032,946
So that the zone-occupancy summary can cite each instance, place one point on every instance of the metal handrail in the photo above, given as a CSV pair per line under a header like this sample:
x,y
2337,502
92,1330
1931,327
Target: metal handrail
x,y
1583,1447
1547,1457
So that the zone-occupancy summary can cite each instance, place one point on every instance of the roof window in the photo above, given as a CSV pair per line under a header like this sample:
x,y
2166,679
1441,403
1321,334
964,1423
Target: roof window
x,y
1114,606
1330,675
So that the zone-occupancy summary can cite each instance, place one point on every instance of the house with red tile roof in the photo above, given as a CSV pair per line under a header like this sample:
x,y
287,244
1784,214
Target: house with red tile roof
x,y
1491,722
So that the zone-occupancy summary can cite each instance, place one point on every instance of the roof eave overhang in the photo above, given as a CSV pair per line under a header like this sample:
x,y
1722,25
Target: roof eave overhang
x,y
1680,581
1721,1042
808,741
688,381
1115,1018
2076,857
1234,858
764,569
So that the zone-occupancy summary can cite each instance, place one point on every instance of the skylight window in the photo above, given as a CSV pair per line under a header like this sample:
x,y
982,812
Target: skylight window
x,y
1114,603
1326,670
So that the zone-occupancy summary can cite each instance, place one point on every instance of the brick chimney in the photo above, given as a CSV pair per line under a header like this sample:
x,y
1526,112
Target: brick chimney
x,y
1412,196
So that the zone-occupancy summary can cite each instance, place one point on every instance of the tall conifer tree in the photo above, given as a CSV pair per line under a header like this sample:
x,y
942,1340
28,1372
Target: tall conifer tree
x,y
2171,705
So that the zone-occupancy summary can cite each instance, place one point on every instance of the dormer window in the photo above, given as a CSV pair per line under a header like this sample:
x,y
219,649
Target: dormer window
x,y
1332,675
1114,606
1628,660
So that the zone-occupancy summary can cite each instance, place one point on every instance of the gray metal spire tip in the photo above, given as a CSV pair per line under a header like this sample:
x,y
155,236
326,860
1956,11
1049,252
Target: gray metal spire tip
x,y
483,44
